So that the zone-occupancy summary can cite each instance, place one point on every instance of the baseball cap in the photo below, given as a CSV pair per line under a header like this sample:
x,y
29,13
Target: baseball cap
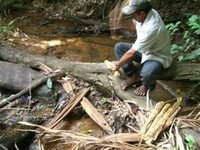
x,y
136,5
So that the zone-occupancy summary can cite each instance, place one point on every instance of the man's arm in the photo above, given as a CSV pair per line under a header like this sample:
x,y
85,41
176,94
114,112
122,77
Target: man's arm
x,y
124,59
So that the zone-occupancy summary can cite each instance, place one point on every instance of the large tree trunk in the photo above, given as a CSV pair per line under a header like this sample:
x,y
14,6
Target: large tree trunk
x,y
17,77
96,73
181,71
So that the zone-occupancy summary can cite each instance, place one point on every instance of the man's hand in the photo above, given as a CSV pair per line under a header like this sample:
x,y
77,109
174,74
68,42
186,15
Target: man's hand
x,y
116,68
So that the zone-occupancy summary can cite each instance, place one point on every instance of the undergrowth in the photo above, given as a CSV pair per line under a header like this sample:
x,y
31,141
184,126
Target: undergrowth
x,y
189,50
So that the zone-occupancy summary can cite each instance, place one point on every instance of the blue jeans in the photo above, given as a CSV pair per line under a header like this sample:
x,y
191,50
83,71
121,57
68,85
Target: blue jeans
x,y
148,70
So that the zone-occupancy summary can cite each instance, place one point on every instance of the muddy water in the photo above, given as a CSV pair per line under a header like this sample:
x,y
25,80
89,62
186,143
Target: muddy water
x,y
83,125
39,35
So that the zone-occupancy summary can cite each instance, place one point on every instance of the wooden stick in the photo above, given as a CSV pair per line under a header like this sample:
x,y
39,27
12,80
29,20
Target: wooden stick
x,y
123,137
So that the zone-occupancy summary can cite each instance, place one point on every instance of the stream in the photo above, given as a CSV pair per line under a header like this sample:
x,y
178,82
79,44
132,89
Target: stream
x,y
60,38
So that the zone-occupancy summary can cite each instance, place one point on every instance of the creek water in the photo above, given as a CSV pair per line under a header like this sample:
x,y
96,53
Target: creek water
x,y
59,38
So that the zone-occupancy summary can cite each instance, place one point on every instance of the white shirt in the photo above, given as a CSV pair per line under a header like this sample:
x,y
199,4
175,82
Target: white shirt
x,y
153,40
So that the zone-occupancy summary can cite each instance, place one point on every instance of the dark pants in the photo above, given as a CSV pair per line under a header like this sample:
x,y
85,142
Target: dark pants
x,y
148,70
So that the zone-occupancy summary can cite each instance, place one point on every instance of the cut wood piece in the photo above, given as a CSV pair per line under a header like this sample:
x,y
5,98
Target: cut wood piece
x,y
95,115
161,125
123,137
111,65
71,104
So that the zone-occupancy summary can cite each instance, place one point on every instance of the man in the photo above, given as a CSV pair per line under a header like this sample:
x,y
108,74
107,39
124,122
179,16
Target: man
x,y
151,48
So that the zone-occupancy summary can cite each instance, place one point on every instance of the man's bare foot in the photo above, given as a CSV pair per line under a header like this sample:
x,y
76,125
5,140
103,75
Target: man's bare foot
x,y
140,91
135,79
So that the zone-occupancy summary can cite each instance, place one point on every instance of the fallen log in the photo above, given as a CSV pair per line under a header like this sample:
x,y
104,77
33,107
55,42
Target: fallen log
x,y
16,77
33,85
97,73
180,71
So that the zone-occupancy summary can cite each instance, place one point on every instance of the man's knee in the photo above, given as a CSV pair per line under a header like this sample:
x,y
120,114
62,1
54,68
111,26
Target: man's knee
x,y
118,49
146,76
118,46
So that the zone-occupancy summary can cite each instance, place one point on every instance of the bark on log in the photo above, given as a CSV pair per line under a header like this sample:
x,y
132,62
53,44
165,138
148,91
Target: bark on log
x,y
32,86
9,72
16,77
97,73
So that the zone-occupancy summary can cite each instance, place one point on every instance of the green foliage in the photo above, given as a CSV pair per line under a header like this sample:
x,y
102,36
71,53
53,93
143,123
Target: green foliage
x,y
172,28
6,28
190,49
194,23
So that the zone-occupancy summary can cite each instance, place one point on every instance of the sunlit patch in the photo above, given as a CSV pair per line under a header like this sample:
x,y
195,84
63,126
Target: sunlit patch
x,y
72,40
48,44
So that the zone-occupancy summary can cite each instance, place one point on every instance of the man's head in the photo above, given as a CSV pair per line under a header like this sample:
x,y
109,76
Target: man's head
x,y
138,9
137,6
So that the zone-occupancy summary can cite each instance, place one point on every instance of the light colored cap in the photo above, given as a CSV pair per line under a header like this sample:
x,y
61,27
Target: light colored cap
x,y
136,5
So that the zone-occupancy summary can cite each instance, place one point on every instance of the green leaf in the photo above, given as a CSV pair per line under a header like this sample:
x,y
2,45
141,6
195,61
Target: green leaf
x,y
180,58
49,83
85,131
190,141
11,22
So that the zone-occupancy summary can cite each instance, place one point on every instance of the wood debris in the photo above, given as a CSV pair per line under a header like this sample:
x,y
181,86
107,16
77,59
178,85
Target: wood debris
x,y
160,118
123,137
95,115
68,85
69,106
45,68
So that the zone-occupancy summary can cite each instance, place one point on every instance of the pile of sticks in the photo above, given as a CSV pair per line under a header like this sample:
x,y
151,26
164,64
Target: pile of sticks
x,y
160,118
